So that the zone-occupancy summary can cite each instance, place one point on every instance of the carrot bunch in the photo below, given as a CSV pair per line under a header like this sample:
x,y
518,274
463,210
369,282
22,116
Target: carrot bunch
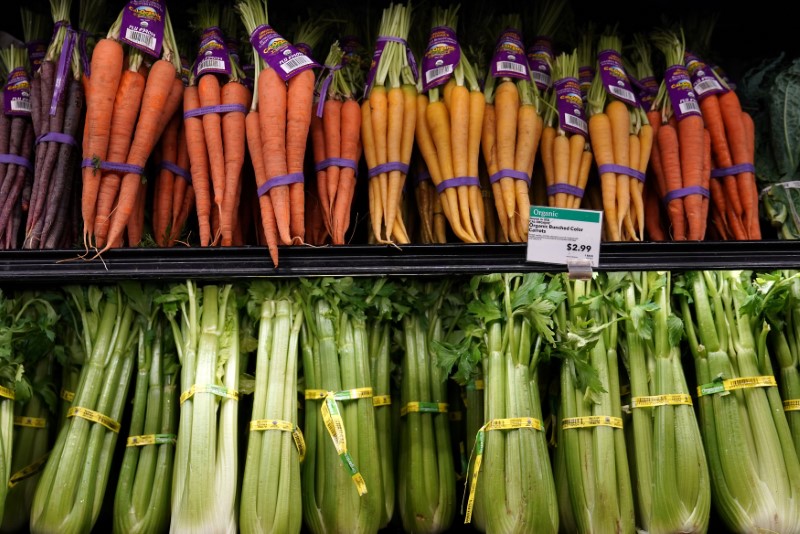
x,y
336,138
129,103
565,153
620,145
512,130
450,111
388,123
683,145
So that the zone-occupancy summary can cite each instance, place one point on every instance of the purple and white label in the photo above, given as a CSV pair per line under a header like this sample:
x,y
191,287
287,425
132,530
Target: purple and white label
x,y
143,25
17,94
614,77
681,93
509,56
540,57
36,52
647,90
569,103
441,57
212,56
283,57
585,77
704,81
186,71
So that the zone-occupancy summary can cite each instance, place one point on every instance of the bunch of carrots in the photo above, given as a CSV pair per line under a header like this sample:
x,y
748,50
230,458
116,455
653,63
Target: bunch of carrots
x,y
129,102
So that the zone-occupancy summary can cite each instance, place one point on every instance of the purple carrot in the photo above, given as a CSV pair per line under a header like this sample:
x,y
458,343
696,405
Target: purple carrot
x,y
19,180
16,222
52,238
5,132
46,79
36,104
15,148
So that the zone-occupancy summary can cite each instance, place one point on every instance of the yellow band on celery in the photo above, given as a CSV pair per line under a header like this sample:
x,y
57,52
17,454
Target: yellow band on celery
x,y
423,407
258,425
7,393
214,389
28,471
332,418
151,439
30,422
791,405
513,423
732,384
672,399
382,400
94,417
591,421
68,396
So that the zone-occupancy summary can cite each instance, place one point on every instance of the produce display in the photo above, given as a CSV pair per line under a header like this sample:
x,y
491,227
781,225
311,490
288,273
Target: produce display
x,y
282,133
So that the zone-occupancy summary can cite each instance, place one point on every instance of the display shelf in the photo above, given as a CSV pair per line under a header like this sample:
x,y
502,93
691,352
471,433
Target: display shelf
x,y
236,263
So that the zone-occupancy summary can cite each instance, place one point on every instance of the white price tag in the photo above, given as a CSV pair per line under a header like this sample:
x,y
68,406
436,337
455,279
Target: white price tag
x,y
563,235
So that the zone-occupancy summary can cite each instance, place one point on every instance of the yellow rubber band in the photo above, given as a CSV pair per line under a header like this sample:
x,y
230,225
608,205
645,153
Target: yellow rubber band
x,y
30,422
68,396
151,439
28,471
791,405
423,407
94,417
514,423
219,391
8,393
591,421
345,394
381,400
673,399
257,425
732,384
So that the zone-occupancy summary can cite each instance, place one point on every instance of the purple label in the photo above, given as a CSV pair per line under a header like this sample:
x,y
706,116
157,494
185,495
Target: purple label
x,y
441,57
233,48
283,57
186,71
249,76
614,77
373,66
36,52
352,49
17,94
647,89
143,25
540,57
570,106
212,57
702,76
681,92
509,56
585,77
304,48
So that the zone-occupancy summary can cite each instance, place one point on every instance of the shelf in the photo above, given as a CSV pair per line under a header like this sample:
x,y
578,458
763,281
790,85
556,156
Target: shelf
x,y
63,266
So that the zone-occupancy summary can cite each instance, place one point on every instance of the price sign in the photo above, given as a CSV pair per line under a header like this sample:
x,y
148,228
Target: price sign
x,y
562,235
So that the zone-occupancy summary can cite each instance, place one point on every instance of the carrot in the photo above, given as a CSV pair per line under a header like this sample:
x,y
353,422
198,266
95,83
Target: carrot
x,y
106,65
654,119
427,149
731,111
299,99
706,178
332,129
489,148
165,182
199,165
668,147
269,222
233,139
637,216
318,148
182,187
458,109
655,231
619,119
272,95
754,230
561,159
548,161
529,128
690,142
477,107
394,132
600,134
371,156
208,89
379,114
506,102
583,174
350,149
135,226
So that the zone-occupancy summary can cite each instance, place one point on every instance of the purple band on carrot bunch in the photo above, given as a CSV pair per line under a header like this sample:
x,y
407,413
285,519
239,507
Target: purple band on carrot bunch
x,y
177,171
621,169
326,83
722,172
685,192
388,167
510,173
286,179
57,137
116,167
456,182
222,108
565,188
337,162
13,159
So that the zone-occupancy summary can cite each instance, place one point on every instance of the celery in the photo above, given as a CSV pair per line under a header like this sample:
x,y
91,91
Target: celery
x,y
205,478
142,499
271,480
72,486
755,473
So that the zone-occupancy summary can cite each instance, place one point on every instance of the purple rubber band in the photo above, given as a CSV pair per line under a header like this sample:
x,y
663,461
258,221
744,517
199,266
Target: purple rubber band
x,y
722,172
392,39
621,169
423,176
116,167
57,137
388,167
685,192
13,159
326,83
62,70
338,162
286,179
412,63
565,188
223,108
83,37
458,181
510,173
178,171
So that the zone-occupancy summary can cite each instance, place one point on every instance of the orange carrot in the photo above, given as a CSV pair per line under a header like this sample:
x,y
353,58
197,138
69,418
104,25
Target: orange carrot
x,y
208,90
269,223
731,111
350,149
272,97
332,129
506,104
299,100
690,143
669,152
318,147
619,120
394,132
706,178
199,166
233,139
165,182
560,167
601,138
489,149
182,187
754,230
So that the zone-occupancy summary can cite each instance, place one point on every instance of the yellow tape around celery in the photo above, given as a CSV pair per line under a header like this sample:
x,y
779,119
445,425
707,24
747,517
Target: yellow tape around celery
x,y
591,421
151,439
514,423
381,400
672,399
30,422
8,393
28,471
335,425
284,426
791,405
731,384
423,407
94,417
68,396
219,391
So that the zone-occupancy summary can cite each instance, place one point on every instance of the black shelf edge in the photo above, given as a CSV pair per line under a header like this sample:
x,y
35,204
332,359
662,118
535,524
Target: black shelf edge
x,y
237,263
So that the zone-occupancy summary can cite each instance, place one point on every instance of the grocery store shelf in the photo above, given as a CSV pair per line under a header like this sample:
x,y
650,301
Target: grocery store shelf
x,y
64,266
